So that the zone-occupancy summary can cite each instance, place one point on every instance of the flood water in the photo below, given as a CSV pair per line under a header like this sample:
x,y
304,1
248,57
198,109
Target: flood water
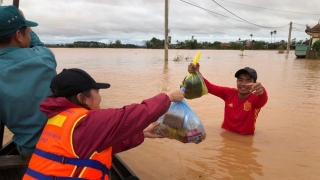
x,y
286,144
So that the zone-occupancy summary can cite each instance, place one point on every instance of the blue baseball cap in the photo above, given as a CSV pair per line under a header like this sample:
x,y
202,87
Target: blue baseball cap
x,y
11,20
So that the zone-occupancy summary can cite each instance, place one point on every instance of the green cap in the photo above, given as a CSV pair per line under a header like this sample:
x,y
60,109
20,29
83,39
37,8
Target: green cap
x,y
11,20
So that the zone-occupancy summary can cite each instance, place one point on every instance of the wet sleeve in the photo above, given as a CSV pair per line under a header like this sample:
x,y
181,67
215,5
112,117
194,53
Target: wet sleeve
x,y
219,91
109,127
262,99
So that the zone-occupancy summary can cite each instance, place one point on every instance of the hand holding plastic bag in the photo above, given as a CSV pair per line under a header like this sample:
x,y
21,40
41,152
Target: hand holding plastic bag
x,y
194,84
182,124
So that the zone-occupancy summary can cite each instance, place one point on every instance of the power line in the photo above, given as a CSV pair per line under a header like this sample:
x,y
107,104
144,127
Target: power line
x,y
271,9
300,31
299,24
230,17
246,20
228,22
210,11
297,29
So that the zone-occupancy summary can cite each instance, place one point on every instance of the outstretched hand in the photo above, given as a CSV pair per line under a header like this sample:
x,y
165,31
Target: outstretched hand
x,y
176,95
256,88
193,68
149,132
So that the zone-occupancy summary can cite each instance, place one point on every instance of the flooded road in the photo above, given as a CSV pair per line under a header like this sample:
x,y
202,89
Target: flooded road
x,y
287,139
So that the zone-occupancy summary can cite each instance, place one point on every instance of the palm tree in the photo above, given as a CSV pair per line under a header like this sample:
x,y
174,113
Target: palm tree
x,y
271,36
251,36
274,32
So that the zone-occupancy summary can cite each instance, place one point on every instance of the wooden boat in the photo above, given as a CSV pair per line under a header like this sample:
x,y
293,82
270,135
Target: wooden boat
x,y
13,167
301,50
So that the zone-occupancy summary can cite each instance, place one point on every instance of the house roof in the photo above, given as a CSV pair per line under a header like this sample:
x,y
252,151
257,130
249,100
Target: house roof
x,y
225,44
314,31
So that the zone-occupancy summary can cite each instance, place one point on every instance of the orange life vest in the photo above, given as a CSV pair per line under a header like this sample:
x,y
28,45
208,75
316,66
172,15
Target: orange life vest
x,y
54,156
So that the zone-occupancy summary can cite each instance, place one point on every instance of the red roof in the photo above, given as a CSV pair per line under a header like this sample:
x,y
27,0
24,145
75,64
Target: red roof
x,y
225,44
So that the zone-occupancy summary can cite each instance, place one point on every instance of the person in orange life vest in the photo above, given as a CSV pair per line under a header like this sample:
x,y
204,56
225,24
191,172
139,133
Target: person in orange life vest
x,y
80,137
242,105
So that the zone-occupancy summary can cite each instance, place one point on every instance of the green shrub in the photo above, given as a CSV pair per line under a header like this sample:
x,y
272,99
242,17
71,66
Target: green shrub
x,y
280,49
316,45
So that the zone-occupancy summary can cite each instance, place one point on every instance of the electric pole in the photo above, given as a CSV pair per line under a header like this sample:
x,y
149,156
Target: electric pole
x,y
289,38
166,31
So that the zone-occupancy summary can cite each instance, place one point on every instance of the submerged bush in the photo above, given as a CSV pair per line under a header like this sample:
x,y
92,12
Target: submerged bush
x,y
280,49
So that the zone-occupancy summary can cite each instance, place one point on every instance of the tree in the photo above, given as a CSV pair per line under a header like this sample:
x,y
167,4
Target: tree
x,y
110,42
251,36
274,32
191,44
271,36
316,45
118,44
293,41
148,44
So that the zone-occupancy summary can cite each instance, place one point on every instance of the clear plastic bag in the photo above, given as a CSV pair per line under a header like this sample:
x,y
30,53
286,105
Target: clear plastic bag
x,y
181,123
193,83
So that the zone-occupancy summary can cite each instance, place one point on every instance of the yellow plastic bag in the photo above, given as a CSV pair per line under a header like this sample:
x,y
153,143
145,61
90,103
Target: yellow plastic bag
x,y
193,82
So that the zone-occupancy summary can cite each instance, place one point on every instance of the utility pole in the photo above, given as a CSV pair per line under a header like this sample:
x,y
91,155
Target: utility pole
x,y
166,31
289,38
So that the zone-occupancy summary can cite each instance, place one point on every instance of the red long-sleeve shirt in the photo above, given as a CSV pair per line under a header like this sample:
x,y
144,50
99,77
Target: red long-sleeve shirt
x,y
121,128
240,115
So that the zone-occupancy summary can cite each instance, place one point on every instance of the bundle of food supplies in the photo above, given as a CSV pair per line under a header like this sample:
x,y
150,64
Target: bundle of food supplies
x,y
182,124
193,82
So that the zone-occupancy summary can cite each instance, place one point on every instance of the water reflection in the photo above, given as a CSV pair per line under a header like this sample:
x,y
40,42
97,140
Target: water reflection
x,y
165,80
238,157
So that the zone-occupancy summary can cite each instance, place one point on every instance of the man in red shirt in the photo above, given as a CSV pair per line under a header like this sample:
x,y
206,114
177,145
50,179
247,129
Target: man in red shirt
x,y
242,105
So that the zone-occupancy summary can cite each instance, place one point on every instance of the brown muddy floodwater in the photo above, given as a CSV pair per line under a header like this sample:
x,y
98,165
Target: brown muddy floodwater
x,y
287,141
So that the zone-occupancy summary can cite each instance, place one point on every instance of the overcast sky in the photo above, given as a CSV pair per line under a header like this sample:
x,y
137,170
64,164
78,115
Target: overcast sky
x,y
133,21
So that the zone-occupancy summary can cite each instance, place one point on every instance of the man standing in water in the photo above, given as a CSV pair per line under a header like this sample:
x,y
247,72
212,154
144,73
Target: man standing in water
x,y
26,70
242,105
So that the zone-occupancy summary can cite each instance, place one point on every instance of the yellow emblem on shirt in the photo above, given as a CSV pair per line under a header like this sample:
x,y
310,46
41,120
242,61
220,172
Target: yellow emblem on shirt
x,y
230,105
247,106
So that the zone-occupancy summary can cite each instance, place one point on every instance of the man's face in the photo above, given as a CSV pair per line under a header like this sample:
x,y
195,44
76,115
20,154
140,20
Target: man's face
x,y
244,84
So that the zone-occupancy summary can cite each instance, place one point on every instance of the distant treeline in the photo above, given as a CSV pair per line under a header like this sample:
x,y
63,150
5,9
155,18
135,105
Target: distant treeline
x,y
155,43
